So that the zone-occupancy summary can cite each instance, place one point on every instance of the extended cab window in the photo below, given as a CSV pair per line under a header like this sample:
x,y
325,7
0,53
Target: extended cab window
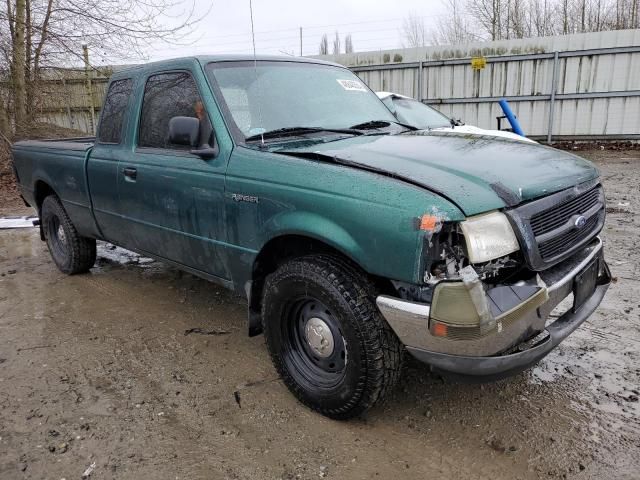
x,y
167,95
114,110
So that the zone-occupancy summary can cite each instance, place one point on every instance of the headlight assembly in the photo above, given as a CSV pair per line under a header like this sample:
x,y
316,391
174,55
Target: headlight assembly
x,y
488,236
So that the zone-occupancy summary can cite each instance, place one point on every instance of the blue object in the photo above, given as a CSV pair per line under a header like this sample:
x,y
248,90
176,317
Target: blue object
x,y
511,117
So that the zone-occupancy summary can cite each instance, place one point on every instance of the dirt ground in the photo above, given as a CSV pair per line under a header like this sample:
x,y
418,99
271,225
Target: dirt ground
x,y
144,372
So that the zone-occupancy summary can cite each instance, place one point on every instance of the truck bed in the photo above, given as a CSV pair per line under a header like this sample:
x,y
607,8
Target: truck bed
x,y
71,143
61,165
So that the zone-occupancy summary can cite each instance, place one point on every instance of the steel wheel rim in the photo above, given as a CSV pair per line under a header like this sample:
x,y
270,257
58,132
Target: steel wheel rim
x,y
57,237
318,368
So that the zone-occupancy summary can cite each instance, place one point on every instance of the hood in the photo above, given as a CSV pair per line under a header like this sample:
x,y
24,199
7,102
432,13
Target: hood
x,y
470,129
477,173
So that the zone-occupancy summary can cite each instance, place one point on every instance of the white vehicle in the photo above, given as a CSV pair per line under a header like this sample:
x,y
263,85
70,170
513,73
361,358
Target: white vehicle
x,y
412,112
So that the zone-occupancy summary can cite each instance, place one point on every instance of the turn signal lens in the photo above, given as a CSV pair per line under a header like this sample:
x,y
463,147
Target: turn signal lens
x,y
452,304
439,329
429,223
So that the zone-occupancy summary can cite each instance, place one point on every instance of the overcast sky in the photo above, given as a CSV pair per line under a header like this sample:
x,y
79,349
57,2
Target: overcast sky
x,y
374,25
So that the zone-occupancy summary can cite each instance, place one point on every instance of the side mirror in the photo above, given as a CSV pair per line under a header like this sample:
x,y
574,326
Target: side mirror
x,y
206,151
184,131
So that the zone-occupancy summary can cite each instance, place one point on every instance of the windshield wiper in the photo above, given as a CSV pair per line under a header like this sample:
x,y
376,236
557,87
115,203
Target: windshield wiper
x,y
380,124
293,131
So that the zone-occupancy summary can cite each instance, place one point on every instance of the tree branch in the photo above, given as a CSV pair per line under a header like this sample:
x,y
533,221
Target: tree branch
x,y
43,38
10,20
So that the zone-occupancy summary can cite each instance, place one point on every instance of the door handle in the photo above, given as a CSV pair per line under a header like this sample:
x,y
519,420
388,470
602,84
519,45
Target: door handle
x,y
130,174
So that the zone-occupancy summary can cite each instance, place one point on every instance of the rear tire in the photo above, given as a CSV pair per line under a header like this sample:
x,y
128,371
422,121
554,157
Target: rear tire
x,y
71,252
327,339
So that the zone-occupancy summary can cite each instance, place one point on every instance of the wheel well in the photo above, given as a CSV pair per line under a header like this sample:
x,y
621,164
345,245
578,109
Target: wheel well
x,y
284,248
42,191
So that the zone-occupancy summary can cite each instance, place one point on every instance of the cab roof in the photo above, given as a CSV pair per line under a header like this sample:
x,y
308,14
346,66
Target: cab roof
x,y
204,59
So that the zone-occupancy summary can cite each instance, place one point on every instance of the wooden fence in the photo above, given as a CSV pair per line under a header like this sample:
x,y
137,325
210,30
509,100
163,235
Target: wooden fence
x,y
68,98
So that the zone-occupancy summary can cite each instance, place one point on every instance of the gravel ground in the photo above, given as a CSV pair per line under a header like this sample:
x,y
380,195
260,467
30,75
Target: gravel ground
x,y
137,370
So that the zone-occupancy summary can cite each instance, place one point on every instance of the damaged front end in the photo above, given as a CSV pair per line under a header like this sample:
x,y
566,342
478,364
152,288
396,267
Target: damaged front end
x,y
480,285
481,303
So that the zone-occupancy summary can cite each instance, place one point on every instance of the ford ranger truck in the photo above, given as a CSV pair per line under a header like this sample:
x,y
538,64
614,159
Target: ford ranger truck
x,y
353,237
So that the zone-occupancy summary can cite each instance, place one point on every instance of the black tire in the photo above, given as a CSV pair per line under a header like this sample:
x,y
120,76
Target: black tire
x,y
366,356
71,252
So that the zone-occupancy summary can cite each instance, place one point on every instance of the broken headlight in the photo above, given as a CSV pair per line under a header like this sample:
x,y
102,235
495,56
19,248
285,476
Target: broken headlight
x,y
488,236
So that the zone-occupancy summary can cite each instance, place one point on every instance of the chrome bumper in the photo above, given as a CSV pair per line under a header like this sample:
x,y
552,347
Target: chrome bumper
x,y
482,356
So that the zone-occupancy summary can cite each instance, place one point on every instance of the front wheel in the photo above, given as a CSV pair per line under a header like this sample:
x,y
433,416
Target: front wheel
x,y
71,252
327,340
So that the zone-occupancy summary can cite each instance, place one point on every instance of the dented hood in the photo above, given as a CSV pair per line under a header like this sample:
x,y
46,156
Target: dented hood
x,y
477,173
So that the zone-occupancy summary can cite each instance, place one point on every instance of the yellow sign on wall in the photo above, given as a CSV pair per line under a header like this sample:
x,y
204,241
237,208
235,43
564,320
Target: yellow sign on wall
x,y
478,63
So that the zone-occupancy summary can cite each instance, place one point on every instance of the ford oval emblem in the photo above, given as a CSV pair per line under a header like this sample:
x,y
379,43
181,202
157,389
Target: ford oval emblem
x,y
580,221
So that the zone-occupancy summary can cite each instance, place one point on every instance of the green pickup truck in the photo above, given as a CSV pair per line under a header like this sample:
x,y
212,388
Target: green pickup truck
x,y
354,238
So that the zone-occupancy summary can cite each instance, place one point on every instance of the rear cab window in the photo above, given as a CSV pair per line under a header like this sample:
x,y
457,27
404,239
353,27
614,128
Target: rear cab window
x,y
114,111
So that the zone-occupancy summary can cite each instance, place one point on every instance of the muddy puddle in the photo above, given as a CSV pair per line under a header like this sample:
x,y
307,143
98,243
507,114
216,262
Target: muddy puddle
x,y
146,372
16,244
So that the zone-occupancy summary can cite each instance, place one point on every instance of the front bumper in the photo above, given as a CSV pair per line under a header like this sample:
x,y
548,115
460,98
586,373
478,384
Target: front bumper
x,y
513,349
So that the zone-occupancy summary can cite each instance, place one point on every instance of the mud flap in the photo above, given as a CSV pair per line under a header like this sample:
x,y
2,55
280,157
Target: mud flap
x,y
255,323
253,312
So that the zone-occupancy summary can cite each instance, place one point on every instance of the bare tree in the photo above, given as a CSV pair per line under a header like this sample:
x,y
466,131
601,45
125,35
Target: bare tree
x,y
336,44
518,20
489,15
504,19
324,45
414,31
17,28
455,27
564,12
541,18
4,120
38,34
348,44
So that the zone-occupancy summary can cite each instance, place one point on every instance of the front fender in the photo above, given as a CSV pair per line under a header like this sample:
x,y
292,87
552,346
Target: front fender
x,y
292,226
369,217
312,225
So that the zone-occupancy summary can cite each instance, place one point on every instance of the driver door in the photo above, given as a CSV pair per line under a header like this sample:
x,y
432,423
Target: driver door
x,y
172,198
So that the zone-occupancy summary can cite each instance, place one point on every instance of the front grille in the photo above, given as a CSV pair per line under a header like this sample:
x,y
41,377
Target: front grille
x,y
548,229
558,215
568,240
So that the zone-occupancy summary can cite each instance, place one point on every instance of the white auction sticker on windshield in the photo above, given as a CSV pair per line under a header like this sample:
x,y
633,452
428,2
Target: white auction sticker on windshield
x,y
352,85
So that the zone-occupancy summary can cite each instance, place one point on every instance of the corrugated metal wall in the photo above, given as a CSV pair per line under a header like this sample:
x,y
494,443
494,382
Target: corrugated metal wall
x,y
596,92
592,80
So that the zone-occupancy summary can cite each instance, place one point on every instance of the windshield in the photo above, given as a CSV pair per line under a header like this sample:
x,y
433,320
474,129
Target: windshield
x,y
283,95
415,113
